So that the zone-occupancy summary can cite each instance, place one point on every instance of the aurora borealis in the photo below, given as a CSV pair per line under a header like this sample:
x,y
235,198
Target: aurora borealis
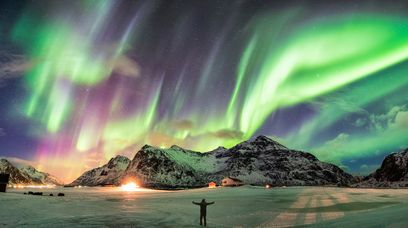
x,y
82,81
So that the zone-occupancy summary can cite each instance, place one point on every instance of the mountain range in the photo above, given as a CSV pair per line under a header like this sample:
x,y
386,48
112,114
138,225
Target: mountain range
x,y
108,174
26,175
260,161
393,172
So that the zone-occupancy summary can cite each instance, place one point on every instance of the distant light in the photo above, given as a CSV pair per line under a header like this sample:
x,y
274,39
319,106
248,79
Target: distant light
x,y
267,186
131,186
212,185
33,186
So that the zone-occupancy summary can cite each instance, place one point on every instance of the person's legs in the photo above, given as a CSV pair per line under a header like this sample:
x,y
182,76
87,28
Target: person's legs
x,y
201,220
205,220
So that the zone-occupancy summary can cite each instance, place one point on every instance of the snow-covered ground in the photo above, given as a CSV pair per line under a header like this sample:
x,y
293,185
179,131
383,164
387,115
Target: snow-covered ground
x,y
234,207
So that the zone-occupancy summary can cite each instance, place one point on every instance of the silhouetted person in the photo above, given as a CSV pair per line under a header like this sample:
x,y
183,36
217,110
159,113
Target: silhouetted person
x,y
203,211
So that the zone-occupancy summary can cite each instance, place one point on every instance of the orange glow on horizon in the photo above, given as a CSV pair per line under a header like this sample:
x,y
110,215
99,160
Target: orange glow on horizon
x,y
131,186
33,186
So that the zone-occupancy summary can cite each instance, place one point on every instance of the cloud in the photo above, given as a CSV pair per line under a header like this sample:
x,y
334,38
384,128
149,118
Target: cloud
x,y
339,105
2,132
164,140
126,66
360,122
342,104
228,134
13,65
334,150
396,117
330,150
183,125
401,120
386,132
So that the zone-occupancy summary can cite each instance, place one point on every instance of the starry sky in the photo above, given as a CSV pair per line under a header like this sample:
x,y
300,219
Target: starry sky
x,y
83,81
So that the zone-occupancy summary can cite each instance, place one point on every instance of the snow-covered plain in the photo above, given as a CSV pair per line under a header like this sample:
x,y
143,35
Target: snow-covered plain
x,y
234,207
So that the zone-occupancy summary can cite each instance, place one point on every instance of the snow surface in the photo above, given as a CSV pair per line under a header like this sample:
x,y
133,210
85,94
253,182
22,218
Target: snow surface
x,y
234,207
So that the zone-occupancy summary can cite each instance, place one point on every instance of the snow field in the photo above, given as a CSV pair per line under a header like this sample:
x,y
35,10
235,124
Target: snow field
x,y
234,207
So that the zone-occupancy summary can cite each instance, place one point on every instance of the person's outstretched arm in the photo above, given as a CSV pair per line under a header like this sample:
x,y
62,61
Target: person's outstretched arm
x,y
210,203
196,203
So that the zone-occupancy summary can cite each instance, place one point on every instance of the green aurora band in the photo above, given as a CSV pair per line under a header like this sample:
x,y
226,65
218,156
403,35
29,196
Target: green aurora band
x,y
278,68
60,51
317,61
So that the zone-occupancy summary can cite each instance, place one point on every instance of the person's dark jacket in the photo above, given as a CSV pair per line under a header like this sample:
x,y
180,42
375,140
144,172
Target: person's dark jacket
x,y
203,206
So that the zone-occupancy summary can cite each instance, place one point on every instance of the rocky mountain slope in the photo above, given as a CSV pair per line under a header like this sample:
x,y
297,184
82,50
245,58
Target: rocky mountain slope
x,y
26,175
259,161
108,174
16,177
172,167
392,173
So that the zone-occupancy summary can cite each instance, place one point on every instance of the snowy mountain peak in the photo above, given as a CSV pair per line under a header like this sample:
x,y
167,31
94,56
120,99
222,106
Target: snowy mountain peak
x,y
392,173
16,176
119,158
148,147
175,147
26,174
4,162
28,168
260,143
258,162
394,168
255,162
219,149
119,162
265,140
262,138
107,174
268,143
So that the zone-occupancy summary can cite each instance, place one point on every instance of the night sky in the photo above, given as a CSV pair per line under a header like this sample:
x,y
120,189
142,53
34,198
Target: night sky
x,y
83,81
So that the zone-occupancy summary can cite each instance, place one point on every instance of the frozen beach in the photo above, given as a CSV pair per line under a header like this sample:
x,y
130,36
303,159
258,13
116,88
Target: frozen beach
x,y
234,207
